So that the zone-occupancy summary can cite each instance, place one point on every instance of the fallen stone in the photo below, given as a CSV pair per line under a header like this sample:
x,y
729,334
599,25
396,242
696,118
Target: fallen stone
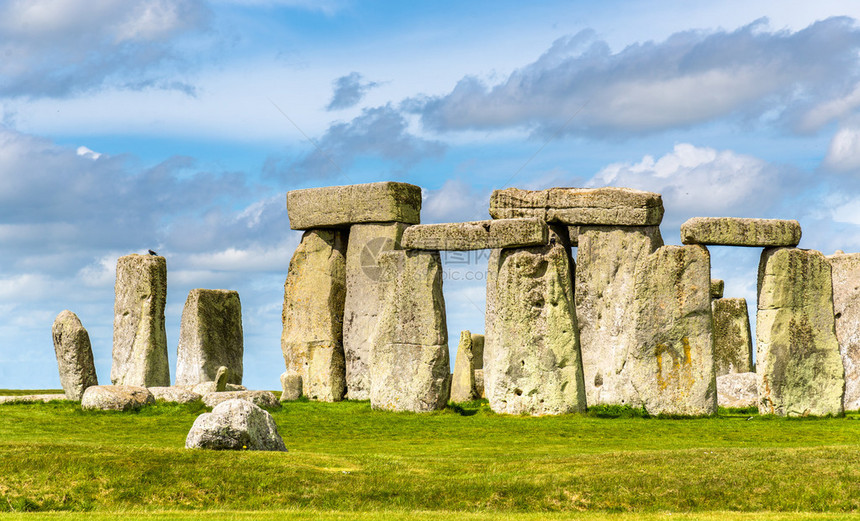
x,y
732,337
139,337
531,351
463,379
606,206
32,398
409,363
846,305
476,235
737,390
735,231
174,394
797,358
291,385
608,258
672,365
235,425
364,299
314,298
213,387
342,206
210,336
717,288
74,355
265,399
116,398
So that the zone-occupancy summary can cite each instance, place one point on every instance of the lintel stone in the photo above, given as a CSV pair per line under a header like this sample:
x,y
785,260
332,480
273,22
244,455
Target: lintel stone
x,y
342,206
476,235
736,231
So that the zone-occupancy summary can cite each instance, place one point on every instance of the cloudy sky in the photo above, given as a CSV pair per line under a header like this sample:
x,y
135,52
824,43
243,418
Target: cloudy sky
x,y
180,125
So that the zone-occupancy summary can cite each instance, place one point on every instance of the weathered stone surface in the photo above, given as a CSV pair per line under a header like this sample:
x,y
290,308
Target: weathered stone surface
x,y
291,387
116,398
463,379
334,206
314,297
409,364
174,394
479,383
74,355
732,337
476,235
478,351
797,353
531,353
717,288
735,231
364,299
139,337
235,425
259,398
213,387
573,235
608,259
739,390
210,336
222,376
672,365
846,305
32,398
572,206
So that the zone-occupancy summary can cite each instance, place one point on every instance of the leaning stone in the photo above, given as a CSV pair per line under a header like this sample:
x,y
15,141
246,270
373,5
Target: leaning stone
x,y
531,351
732,337
74,355
737,390
717,287
735,231
476,235
797,358
116,398
291,385
409,364
846,305
342,206
608,259
210,336
235,425
174,394
314,297
364,299
139,337
260,398
463,379
672,363
32,398
606,206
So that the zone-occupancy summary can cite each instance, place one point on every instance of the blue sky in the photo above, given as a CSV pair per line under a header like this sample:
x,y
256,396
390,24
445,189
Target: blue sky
x,y
180,125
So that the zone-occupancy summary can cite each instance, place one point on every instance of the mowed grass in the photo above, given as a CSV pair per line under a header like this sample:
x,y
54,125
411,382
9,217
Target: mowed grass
x,y
347,461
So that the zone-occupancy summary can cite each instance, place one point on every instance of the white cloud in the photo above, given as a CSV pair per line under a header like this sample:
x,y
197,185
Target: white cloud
x,y
455,201
843,154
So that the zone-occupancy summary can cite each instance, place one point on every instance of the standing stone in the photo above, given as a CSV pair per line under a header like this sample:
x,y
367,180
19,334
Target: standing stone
x,y
477,351
139,337
608,258
463,381
672,366
531,354
717,287
74,355
291,387
797,353
210,336
732,337
314,295
364,299
846,304
409,364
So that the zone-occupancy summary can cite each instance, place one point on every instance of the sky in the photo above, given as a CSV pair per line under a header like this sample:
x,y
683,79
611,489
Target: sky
x,y
180,125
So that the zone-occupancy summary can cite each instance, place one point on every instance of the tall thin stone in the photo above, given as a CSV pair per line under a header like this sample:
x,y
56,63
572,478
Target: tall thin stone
x,y
314,295
364,299
463,381
732,336
798,362
210,336
608,258
139,337
531,354
846,305
74,355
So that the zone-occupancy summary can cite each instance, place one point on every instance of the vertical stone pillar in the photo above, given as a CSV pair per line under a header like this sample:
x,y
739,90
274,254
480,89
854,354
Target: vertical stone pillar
x,y
364,298
732,336
314,294
608,258
846,305
139,337
531,353
409,366
463,381
210,336
74,355
798,363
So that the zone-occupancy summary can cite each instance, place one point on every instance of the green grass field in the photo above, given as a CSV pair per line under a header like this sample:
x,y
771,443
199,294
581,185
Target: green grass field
x,y
346,461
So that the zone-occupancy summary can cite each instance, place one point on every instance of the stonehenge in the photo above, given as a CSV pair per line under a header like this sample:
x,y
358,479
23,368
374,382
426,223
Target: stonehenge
x,y
210,337
74,355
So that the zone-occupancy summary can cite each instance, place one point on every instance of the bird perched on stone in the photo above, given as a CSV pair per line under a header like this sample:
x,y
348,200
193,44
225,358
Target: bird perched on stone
x,y
152,252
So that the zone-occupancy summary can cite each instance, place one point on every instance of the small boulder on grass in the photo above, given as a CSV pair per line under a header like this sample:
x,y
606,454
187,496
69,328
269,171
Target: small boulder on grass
x,y
265,399
235,425
116,398
174,394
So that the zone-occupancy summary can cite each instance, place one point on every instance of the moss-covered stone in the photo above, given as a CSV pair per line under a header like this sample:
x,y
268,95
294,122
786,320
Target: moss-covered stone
x,y
732,336
607,206
735,231
717,287
476,235
342,206
210,337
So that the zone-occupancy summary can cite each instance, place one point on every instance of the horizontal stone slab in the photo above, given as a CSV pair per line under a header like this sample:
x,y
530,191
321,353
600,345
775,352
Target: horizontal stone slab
x,y
476,235
608,206
736,231
340,206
